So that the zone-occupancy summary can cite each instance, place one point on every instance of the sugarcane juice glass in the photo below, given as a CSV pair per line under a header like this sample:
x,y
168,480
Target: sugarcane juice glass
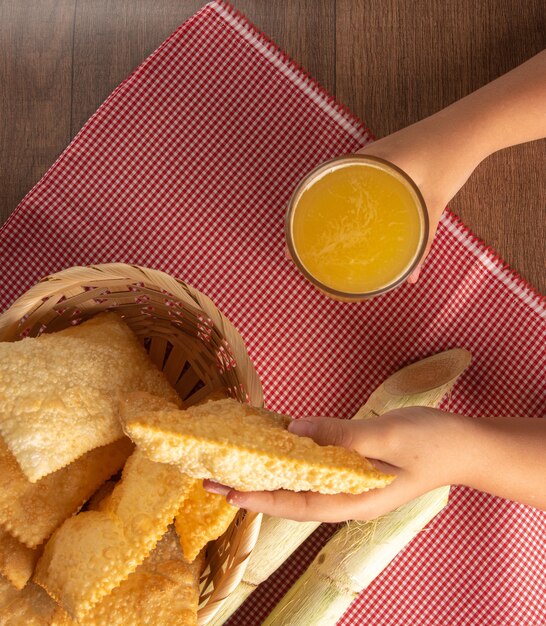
x,y
356,227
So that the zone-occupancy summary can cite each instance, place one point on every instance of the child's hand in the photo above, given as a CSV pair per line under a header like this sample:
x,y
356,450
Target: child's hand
x,y
426,152
424,447
440,152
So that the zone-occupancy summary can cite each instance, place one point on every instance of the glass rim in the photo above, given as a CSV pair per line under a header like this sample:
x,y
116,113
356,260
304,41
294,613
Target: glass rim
x,y
386,166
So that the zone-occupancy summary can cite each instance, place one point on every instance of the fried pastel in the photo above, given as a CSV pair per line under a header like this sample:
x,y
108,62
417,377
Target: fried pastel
x,y
29,607
32,511
140,401
99,500
17,561
217,394
203,517
94,551
163,590
249,449
59,392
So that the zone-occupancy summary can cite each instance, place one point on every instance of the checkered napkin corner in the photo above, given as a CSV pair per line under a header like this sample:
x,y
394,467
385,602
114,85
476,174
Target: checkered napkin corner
x,y
187,167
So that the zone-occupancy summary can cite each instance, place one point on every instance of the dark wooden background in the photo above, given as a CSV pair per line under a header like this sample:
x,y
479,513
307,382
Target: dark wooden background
x,y
391,62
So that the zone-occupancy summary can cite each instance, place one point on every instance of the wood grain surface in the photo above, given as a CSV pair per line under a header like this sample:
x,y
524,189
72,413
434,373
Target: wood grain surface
x,y
391,62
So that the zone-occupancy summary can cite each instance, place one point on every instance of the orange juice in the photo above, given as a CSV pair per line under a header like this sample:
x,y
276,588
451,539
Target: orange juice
x,y
356,226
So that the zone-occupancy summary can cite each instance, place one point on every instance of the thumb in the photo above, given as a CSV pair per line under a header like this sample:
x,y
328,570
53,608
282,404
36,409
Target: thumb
x,y
326,431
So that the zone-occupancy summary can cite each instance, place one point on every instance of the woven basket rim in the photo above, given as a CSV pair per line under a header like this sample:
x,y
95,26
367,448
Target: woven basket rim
x,y
78,275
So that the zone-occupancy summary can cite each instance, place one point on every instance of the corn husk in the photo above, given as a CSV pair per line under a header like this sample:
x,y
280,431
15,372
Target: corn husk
x,y
424,383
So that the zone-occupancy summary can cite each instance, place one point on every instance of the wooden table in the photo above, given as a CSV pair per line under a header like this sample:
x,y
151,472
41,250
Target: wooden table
x,y
391,62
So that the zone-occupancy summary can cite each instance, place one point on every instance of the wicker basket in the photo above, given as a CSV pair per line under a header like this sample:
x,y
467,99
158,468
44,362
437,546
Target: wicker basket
x,y
186,336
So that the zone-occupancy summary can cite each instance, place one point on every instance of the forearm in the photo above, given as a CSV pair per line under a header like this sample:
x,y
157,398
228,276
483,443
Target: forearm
x,y
507,458
508,111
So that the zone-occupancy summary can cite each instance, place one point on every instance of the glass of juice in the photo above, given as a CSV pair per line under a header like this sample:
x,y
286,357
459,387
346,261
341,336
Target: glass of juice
x,y
356,227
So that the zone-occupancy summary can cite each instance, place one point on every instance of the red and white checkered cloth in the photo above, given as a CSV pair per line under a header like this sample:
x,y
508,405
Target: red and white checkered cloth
x,y
187,167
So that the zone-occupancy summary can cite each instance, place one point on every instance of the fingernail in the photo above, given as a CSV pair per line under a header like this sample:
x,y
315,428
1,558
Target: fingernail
x,y
302,427
213,487
236,498
414,277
